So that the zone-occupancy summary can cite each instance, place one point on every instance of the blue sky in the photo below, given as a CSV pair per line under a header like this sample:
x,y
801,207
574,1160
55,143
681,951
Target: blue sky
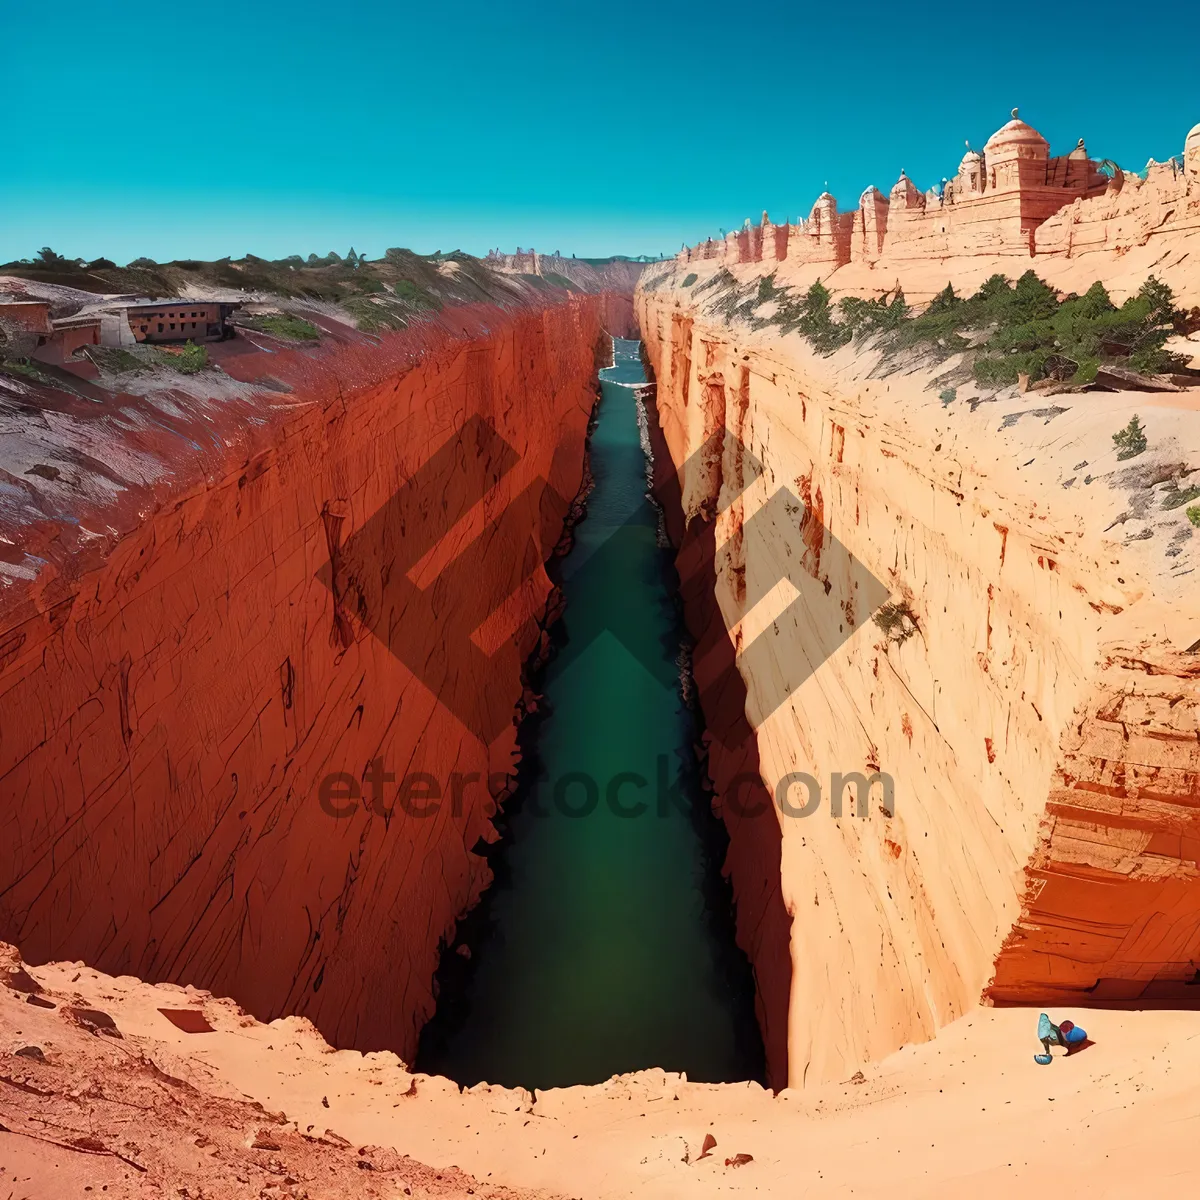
x,y
268,128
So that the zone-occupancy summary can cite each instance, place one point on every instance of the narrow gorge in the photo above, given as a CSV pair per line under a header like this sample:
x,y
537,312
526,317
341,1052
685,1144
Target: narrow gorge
x,y
548,719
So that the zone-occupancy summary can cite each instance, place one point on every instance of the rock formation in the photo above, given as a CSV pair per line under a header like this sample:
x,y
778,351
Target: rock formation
x,y
617,275
206,671
139,1090
1077,217
1032,684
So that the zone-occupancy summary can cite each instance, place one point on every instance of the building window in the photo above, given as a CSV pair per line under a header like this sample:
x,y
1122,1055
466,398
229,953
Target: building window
x,y
160,327
172,324
145,328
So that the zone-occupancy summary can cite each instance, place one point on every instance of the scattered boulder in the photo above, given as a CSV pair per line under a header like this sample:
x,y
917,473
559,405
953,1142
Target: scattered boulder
x,y
1125,379
94,1020
188,1020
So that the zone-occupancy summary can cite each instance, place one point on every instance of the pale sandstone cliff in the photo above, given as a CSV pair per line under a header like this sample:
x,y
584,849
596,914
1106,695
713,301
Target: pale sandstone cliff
x,y
1011,207
1041,718
616,275
176,678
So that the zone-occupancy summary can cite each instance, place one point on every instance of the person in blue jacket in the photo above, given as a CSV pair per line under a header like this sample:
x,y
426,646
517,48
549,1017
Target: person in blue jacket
x,y
1066,1034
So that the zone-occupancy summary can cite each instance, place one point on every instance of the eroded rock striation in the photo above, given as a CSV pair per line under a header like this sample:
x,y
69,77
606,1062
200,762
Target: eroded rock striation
x,y
969,589
221,633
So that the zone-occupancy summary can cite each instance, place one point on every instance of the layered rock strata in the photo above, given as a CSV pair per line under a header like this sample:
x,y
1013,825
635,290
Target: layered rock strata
x,y
1071,218
224,654
1024,666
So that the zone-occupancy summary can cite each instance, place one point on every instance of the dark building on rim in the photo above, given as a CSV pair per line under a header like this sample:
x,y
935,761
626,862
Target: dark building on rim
x,y
179,320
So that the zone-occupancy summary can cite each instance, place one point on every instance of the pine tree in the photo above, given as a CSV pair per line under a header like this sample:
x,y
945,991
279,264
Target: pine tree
x,y
1131,440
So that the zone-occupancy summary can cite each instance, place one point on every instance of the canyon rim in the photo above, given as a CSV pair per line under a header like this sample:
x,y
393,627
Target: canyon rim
x,y
413,668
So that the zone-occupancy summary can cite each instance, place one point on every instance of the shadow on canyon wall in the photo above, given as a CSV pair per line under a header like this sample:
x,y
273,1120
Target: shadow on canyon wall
x,y
608,945
728,753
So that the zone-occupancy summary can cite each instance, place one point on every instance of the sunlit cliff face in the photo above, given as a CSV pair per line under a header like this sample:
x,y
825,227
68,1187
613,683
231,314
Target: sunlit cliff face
x,y
1012,203
1038,585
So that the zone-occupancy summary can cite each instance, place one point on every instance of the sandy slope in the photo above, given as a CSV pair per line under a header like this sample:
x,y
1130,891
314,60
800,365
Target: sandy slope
x,y
970,1110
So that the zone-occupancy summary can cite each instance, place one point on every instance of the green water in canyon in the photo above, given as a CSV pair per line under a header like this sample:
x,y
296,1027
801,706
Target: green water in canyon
x,y
605,943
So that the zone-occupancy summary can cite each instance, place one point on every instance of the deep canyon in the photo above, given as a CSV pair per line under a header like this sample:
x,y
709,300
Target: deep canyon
x,y
283,650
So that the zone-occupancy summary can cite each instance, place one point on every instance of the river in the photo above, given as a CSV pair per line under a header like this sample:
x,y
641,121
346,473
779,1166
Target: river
x,y
606,943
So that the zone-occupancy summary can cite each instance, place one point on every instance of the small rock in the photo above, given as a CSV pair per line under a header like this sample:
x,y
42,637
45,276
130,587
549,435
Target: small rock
x,y
34,1052
187,1020
94,1020
20,980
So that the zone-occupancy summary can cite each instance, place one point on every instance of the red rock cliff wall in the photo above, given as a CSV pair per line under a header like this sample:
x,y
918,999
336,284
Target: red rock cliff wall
x,y
170,701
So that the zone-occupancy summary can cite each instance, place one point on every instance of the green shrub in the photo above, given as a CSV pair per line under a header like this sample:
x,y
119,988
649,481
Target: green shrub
x,y
862,318
21,366
191,360
1130,441
1193,515
767,289
690,280
815,321
415,295
1177,497
117,361
1007,369
47,258
1068,341
295,329
375,316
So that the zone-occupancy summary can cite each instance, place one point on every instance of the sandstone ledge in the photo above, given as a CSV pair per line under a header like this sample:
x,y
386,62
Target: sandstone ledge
x,y
929,1120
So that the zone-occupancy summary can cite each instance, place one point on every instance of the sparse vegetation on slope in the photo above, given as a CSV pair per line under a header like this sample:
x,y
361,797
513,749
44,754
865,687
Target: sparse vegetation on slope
x,y
412,282
282,325
191,360
1008,329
